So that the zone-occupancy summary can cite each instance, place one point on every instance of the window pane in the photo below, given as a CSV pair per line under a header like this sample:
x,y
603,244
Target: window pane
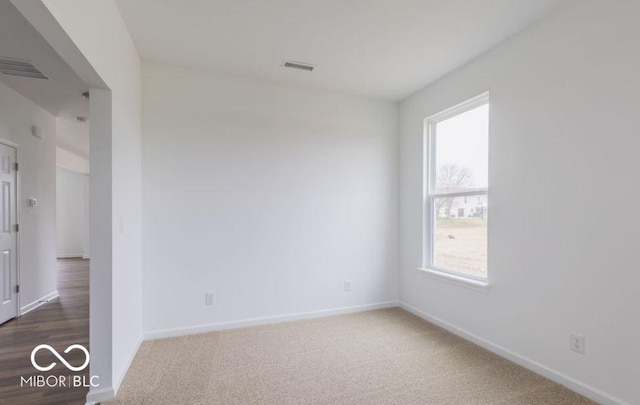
x,y
460,234
462,151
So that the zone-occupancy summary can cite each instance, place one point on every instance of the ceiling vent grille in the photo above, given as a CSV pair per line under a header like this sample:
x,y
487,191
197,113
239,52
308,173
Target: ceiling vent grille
x,y
298,65
16,67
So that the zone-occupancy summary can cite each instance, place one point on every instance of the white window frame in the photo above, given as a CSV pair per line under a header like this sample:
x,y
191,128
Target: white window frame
x,y
430,195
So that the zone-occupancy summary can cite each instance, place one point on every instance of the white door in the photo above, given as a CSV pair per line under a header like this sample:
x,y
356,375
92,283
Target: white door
x,y
8,234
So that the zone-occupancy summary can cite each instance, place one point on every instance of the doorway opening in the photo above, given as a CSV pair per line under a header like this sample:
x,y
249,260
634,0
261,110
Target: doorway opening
x,y
44,218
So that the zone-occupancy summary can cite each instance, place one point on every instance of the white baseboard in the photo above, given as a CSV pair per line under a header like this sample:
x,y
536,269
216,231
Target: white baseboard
x,y
71,256
580,387
41,301
104,394
166,333
123,373
99,395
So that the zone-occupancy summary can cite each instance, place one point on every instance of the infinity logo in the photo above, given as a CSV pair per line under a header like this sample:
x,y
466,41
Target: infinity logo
x,y
55,353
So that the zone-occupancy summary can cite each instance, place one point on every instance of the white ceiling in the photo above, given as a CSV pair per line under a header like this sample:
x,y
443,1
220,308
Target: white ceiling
x,y
380,48
61,95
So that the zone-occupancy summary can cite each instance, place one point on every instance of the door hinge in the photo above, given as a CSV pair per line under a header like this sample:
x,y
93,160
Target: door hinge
x,y
17,228
18,289
16,166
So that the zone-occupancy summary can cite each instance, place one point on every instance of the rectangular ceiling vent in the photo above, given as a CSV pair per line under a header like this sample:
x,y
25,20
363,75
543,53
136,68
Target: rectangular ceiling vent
x,y
298,65
16,67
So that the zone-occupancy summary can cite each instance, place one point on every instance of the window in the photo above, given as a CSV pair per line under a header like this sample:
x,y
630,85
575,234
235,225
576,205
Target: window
x,y
456,190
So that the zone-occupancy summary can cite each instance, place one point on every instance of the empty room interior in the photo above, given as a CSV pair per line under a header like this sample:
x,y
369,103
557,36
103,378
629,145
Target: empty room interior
x,y
319,202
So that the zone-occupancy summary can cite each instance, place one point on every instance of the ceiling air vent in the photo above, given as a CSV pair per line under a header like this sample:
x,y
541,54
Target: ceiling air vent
x,y
16,67
299,66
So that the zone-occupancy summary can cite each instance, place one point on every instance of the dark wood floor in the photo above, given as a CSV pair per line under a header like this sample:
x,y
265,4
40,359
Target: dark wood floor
x,y
59,323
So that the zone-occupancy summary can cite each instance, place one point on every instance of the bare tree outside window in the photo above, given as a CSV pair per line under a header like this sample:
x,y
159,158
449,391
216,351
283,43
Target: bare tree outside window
x,y
451,178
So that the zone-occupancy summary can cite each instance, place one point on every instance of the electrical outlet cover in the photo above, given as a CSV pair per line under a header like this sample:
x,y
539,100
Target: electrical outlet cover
x,y
577,343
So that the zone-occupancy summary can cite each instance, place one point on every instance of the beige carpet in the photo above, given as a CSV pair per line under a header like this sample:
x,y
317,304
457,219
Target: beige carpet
x,y
377,357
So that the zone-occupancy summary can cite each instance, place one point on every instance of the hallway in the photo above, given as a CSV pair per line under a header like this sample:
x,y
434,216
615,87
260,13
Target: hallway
x,y
60,323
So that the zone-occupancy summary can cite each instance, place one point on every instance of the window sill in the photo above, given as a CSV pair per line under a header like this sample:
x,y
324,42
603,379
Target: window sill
x,y
471,283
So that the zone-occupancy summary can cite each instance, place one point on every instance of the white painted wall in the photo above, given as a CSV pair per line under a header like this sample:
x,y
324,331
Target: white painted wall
x,y
37,158
71,161
93,39
72,215
270,196
563,151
